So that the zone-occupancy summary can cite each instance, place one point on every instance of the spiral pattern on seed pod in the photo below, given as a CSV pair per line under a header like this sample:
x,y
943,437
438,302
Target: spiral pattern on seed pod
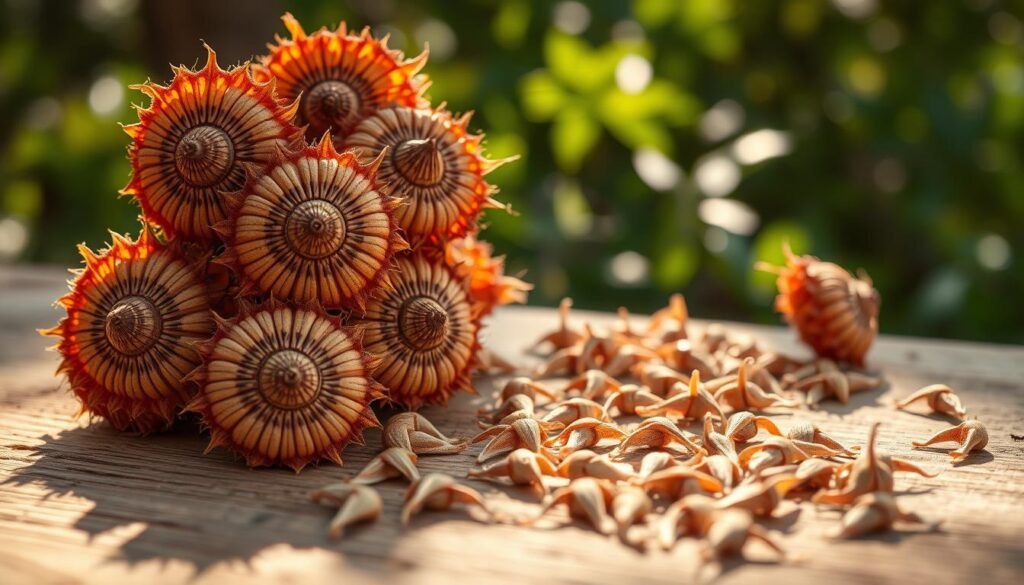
x,y
313,226
425,331
285,386
434,165
833,311
133,315
191,142
341,78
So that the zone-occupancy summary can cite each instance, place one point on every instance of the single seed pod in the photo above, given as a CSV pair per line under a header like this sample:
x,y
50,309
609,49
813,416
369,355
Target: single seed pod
x,y
133,315
340,78
285,385
425,330
435,165
312,226
191,143
834,312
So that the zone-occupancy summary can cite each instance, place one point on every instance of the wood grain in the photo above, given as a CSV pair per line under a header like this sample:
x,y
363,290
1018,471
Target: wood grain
x,y
80,503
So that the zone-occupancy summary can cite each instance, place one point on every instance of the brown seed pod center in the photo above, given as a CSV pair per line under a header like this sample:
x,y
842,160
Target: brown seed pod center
x,y
204,156
289,379
330,104
315,229
421,162
132,325
423,323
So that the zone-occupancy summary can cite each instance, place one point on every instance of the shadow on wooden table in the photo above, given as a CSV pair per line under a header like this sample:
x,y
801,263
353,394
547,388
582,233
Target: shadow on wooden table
x,y
178,505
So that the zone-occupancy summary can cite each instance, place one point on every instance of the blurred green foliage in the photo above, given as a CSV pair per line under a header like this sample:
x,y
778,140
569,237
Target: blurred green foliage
x,y
665,145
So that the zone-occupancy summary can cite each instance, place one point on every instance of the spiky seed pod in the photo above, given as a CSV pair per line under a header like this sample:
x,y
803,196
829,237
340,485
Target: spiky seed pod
x,y
285,385
340,78
833,311
473,260
435,165
133,315
313,226
191,143
425,331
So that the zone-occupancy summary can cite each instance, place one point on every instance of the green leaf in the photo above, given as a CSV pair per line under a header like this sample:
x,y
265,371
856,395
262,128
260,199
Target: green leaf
x,y
698,15
768,246
511,23
573,136
579,66
641,133
661,99
653,13
568,58
542,96
675,266
571,210
23,198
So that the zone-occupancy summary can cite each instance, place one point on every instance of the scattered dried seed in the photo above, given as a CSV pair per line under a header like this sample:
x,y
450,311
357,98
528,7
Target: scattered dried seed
x,y
868,473
630,506
584,433
627,398
588,499
390,463
413,432
760,498
656,433
940,398
744,394
355,503
809,432
523,433
874,512
780,451
674,316
691,404
437,491
970,435
729,532
586,463
564,336
744,425
659,378
574,409
592,385
680,480
522,467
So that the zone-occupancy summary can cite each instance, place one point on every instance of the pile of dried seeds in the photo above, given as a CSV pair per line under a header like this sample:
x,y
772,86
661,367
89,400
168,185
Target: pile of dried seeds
x,y
611,442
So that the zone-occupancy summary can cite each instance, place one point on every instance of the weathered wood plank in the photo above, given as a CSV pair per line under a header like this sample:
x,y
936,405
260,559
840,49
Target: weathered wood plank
x,y
81,503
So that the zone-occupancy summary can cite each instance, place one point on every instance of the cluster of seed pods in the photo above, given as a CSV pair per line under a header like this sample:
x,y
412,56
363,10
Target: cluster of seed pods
x,y
603,428
309,245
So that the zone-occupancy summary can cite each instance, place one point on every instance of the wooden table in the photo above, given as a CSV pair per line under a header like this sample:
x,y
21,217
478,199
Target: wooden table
x,y
82,503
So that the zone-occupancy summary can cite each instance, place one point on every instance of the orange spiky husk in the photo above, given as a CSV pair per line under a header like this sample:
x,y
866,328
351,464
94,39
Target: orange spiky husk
x,y
313,226
193,141
834,312
425,330
285,385
340,78
436,166
473,260
133,314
